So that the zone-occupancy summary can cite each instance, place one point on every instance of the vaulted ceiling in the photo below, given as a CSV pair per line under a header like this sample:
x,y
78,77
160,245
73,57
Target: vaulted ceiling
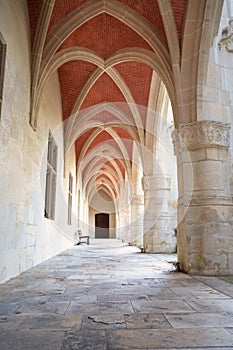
x,y
108,55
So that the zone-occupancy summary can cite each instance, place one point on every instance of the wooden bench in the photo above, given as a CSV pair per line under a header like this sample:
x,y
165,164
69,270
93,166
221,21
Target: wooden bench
x,y
81,237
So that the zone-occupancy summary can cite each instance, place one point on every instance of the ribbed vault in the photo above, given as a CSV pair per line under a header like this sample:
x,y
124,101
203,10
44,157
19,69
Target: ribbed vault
x,y
110,57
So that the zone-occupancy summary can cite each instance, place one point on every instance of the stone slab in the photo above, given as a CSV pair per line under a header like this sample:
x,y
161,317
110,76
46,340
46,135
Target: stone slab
x,y
43,308
201,320
84,339
31,340
212,305
52,323
147,321
168,338
160,306
99,308
10,322
106,321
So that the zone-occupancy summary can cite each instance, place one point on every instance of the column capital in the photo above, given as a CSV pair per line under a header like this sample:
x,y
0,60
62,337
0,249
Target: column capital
x,y
227,37
137,199
201,134
156,182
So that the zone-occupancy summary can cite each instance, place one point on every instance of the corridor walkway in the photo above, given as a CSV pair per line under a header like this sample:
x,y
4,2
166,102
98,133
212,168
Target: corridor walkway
x,y
112,297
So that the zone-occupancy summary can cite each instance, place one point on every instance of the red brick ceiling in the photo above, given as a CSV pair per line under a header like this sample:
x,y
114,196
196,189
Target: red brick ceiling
x,y
179,7
103,29
34,10
72,76
104,90
137,76
105,35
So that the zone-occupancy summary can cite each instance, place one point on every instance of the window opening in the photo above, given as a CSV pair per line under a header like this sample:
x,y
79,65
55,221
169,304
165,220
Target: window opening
x,y
51,179
70,197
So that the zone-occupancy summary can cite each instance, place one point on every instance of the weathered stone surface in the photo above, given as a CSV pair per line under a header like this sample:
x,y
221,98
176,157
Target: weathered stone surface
x,y
141,320
168,338
51,322
108,321
42,307
84,339
99,307
123,300
201,320
31,340
161,306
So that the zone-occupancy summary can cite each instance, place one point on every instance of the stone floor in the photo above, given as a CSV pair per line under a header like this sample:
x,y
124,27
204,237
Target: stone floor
x,y
112,297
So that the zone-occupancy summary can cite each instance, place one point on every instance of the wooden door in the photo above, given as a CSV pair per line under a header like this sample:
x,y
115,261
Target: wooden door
x,y
102,225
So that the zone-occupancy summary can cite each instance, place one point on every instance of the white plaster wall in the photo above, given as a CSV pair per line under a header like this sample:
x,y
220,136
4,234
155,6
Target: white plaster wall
x,y
26,237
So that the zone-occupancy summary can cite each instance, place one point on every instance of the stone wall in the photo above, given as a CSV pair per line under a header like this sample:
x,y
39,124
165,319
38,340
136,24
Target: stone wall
x,y
215,79
26,237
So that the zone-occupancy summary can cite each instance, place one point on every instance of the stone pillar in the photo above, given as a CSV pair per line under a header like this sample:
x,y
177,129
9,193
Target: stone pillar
x,y
137,214
157,235
205,220
119,226
123,224
126,219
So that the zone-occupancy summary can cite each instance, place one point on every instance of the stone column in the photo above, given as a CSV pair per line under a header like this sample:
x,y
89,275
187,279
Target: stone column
x,y
137,215
126,219
119,226
157,235
205,220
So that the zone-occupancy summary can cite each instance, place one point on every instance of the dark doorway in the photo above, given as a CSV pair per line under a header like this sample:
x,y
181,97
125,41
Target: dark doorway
x,y
102,225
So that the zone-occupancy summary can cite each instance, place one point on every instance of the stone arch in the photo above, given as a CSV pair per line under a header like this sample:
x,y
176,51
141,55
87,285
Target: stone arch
x,y
75,127
87,11
111,132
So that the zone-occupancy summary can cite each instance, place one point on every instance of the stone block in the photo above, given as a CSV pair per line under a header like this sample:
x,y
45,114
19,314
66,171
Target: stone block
x,y
208,264
211,153
197,155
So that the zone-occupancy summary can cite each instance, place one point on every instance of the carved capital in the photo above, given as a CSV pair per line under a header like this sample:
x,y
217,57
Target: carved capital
x,y
137,199
227,37
156,182
201,134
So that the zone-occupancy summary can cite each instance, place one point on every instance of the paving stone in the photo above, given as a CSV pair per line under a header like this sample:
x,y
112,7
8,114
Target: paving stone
x,y
168,338
201,320
108,321
52,322
219,305
160,306
219,283
99,308
111,298
8,308
9,322
43,308
31,340
140,321
84,340
121,297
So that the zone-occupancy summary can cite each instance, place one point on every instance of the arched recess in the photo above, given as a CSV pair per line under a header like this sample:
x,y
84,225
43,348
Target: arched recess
x,y
90,162
94,182
115,138
84,122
